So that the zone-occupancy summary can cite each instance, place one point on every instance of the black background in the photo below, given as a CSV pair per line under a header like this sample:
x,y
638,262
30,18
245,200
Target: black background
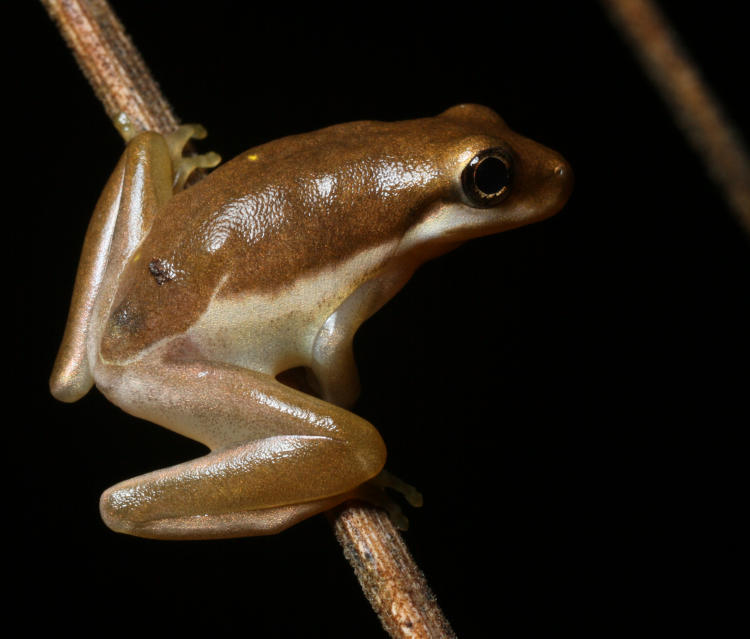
x,y
569,397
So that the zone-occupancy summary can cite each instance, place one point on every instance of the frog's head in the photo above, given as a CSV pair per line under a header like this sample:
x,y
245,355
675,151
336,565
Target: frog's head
x,y
493,180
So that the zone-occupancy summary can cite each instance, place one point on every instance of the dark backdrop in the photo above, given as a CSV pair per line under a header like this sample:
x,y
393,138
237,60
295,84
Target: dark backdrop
x,y
568,396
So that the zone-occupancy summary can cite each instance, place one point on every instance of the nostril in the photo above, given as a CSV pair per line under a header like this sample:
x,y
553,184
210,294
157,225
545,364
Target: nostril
x,y
563,173
562,179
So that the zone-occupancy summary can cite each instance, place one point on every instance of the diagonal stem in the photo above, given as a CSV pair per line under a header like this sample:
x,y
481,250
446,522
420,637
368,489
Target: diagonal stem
x,y
694,107
391,580
111,63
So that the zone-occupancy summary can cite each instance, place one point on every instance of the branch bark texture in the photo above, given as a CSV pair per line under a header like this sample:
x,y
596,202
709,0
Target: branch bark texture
x,y
111,63
393,584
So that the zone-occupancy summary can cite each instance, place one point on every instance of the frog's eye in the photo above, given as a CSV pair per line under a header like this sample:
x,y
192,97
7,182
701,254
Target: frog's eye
x,y
487,178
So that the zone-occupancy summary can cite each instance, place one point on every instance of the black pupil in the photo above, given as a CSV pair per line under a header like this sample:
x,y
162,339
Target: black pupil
x,y
491,176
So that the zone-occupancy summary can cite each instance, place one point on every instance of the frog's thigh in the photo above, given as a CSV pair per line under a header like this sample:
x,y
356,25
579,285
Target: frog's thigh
x,y
278,455
143,175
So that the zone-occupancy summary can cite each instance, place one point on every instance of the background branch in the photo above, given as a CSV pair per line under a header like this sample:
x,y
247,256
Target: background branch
x,y
694,107
392,582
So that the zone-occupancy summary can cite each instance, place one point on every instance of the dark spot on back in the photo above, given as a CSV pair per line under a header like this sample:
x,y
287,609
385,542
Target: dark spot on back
x,y
161,270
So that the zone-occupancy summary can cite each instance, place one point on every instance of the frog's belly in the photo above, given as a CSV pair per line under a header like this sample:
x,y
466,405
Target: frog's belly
x,y
272,332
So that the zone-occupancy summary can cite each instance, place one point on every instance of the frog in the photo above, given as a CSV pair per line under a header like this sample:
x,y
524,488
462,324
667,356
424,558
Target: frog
x,y
192,303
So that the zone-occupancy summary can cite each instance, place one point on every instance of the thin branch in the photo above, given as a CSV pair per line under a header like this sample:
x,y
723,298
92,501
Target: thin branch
x,y
391,581
111,63
389,577
696,110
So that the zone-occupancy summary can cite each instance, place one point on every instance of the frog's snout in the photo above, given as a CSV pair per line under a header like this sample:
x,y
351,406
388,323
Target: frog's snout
x,y
562,176
563,170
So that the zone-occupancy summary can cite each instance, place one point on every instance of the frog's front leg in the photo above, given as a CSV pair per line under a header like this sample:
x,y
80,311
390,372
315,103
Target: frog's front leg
x,y
333,362
278,455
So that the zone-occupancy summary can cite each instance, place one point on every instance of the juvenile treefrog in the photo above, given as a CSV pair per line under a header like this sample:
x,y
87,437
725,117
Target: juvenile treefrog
x,y
190,302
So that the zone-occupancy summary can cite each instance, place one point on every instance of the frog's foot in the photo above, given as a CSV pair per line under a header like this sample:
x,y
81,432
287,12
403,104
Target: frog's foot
x,y
373,491
185,165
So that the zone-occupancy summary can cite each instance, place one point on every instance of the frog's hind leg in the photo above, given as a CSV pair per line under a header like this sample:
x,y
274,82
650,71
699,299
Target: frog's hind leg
x,y
143,175
278,455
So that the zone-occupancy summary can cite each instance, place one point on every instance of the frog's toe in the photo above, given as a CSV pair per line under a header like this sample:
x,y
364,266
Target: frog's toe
x,y
124,126
177,139
388,480
197,131
398,518
414,497
186,165
373,492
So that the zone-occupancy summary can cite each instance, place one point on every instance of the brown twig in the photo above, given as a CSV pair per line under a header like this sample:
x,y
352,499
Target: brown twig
x,y
696,110
111,63
391,581
389,577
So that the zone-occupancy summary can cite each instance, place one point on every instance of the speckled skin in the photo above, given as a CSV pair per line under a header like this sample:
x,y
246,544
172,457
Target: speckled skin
x,y
187,306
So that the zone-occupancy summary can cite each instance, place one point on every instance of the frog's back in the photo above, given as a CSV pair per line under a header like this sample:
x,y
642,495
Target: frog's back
x,y
278,211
